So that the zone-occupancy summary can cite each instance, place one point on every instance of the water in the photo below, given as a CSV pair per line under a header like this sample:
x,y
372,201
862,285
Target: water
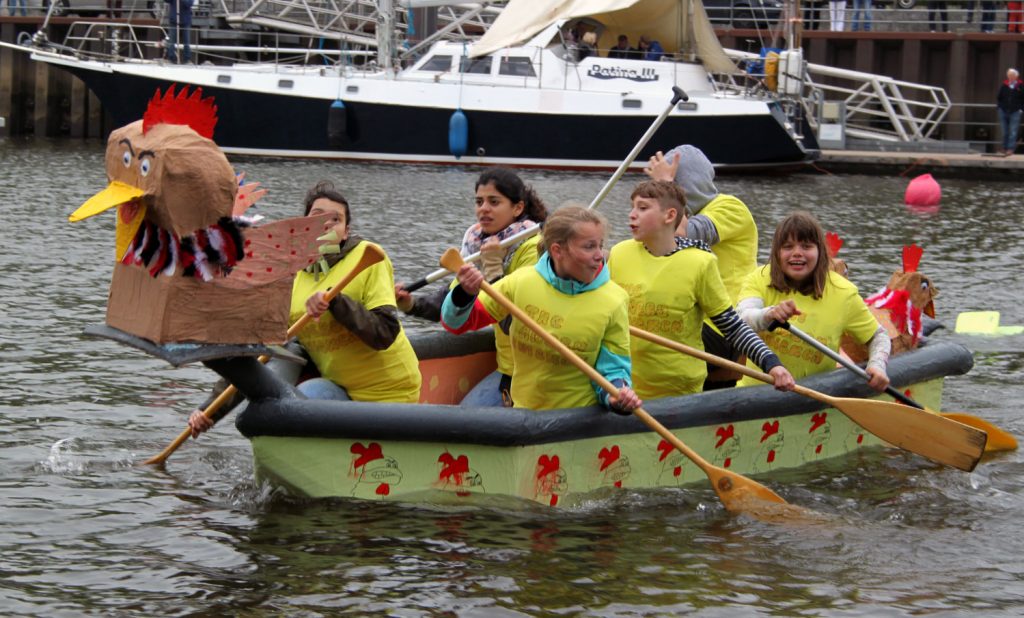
x,y
85,530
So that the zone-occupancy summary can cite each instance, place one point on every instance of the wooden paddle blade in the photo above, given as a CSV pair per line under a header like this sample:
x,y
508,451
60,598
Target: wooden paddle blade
x,y
938,438
452,259
999,440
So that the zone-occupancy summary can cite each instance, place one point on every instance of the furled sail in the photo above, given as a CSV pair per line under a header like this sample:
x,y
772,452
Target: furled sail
x,y
679,25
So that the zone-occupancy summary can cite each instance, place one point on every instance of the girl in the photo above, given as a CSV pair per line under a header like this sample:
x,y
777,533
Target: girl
x,y
356,341
504,206
799,283
570,294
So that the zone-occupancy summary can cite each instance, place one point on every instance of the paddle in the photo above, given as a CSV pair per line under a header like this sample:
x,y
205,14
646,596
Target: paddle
x,y
371,256
998,439
937,438
737,492
677,96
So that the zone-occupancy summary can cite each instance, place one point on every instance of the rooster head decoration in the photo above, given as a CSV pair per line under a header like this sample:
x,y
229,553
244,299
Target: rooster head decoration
x,y
834,243
908,294
179,215
155,165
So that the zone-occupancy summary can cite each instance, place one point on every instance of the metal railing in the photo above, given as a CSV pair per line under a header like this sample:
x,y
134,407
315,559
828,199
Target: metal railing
x,y
877,107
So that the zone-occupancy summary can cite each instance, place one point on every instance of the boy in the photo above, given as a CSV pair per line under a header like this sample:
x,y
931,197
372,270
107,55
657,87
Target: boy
x,y
673,283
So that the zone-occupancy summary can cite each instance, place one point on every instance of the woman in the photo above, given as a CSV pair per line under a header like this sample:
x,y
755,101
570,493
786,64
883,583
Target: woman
x,y
799,284
355,341
505,206
570,294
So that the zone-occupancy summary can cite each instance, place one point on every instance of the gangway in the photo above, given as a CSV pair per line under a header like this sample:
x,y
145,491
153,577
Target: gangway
x,y
877,107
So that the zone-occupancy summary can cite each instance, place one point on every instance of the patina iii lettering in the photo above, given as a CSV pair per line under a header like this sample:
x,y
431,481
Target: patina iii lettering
x,y
643,75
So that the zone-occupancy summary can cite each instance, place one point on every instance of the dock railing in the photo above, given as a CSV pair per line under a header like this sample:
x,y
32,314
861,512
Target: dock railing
x,y
877,107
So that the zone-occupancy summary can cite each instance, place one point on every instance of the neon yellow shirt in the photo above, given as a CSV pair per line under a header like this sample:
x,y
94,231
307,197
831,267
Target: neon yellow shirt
x,y
342,357
669,296
525,255
585,322
736,248
839,310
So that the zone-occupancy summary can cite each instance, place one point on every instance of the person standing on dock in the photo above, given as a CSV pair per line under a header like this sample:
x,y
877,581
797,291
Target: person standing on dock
x,y
937,9
11,7
179,17
836,14
861,15
1015,17
1010,102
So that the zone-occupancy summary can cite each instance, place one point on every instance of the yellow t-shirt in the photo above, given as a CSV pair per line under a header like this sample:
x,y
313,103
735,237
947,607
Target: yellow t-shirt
x,y
342,357
840,309
525,255
669,296
736,248
585,322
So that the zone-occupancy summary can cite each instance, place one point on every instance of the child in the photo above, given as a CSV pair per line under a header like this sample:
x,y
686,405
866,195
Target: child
x,y
504,206
799,282
571,295
673,283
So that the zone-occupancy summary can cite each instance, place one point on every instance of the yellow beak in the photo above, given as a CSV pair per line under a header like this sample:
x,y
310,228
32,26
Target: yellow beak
x,y
115,194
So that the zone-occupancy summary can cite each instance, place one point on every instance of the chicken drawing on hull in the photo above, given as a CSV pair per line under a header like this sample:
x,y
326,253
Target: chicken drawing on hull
x,y
175,195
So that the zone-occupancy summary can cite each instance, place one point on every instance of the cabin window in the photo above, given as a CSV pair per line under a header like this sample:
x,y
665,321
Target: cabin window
x,y
632,103
285,83
520,66
476,65
223,79
437,63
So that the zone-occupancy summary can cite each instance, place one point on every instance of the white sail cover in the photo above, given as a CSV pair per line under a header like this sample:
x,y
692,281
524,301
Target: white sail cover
x,y
660,20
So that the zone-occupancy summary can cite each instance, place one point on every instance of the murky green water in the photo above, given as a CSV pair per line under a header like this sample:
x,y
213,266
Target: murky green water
x,y
84,530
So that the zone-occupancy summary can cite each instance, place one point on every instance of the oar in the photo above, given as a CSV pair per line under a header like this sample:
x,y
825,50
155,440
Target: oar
x,y
737,492
677,96
998,439
939,439
371,256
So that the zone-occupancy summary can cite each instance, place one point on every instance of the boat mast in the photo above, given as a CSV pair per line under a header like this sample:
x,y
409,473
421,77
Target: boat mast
x,y
385,34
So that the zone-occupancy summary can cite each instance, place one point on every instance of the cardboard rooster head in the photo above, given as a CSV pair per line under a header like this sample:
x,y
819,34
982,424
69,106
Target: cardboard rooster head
x,y
908,294
187,270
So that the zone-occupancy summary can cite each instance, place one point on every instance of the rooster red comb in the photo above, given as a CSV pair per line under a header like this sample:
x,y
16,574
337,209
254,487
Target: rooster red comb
x,y
834,243
911,258
198,113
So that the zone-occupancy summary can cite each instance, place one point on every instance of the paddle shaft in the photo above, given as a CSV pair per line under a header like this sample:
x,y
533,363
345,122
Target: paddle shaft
x,y
845,362
677,96
371,256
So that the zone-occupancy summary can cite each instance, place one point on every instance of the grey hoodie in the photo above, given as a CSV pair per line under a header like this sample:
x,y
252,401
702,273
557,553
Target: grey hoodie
x,y
696,175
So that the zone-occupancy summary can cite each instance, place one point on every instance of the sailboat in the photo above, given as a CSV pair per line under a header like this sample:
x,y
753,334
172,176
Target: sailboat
x,y
519,95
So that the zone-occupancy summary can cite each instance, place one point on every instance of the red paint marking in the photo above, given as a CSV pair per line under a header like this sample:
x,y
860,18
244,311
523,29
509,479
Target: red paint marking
x,y
383,489
677,471
248,274
817,421
277,246
248,242
724,433
293,251
769,429
249,254
771,456
608,456
665,449
618,484
269,269
547,465
269,236
817,450
860,438
728,462
291,231
365,454
453,470
554,500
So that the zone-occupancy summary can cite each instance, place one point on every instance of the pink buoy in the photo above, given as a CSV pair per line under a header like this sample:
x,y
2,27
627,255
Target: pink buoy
x,y
923,191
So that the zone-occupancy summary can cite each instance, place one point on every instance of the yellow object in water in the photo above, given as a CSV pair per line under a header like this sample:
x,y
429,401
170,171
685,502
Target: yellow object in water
x,y
984,323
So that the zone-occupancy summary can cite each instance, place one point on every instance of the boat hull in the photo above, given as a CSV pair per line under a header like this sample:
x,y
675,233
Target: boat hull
x,y
440,452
